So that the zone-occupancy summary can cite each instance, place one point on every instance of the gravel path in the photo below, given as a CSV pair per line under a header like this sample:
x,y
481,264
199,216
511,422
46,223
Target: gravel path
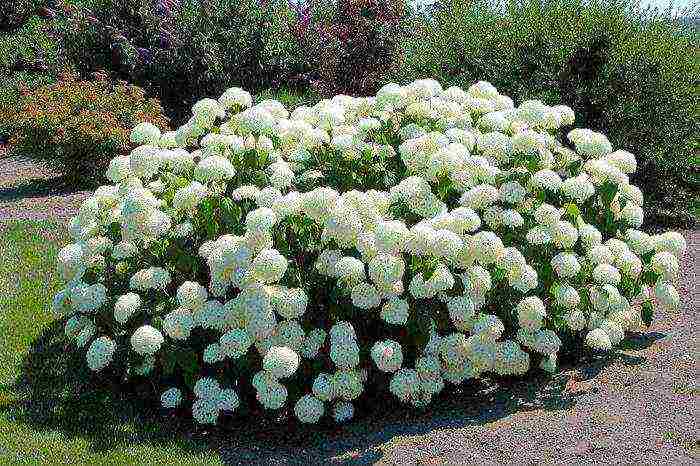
x,y
636,407
33,193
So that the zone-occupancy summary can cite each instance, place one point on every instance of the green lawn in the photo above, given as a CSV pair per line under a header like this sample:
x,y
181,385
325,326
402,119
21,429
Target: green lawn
x,y
47,414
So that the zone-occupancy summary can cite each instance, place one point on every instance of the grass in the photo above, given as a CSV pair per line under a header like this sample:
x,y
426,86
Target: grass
x,y
46,415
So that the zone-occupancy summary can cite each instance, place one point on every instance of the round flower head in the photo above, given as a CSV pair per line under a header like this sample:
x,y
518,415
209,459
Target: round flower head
x,y
235,98
531,313
235,343
145,133
606,273
566,265
667,294
272,395
309,409
171,398
207,388
228,400
178,324
566,296
395,312
365,296
670,241
281,362
343,411
323,388
599,340
146,340
205,411
214,169
405,384
100,353
387,355
192,295
347,384
313,342
212,354
665,264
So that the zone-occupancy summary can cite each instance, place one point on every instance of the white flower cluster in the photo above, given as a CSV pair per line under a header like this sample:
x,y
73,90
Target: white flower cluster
x,y
418,237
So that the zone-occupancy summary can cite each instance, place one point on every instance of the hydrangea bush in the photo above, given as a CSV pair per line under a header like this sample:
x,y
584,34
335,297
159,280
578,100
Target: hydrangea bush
x,y
404,242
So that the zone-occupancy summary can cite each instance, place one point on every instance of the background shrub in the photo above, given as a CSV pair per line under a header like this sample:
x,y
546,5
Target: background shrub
x,y
77,127
14,13
182,50
352,45
625,71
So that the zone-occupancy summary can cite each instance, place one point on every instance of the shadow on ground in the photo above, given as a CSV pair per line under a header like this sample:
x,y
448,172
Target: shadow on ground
x,y
38,187
56,392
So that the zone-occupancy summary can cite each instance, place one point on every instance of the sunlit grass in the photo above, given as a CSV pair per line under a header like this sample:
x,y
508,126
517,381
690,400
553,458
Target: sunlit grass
x,y
42,420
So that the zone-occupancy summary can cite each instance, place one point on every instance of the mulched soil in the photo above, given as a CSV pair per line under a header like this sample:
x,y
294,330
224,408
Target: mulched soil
x,y
638,406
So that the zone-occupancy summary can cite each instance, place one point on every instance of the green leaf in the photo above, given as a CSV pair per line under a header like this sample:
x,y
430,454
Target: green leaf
x,y
187,360
607,192
169,360
647,313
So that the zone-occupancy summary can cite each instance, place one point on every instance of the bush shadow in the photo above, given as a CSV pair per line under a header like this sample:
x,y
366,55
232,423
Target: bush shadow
x,y
39,187
56,392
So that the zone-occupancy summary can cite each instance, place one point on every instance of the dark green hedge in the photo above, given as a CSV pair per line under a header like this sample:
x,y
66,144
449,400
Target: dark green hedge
x,y
626,72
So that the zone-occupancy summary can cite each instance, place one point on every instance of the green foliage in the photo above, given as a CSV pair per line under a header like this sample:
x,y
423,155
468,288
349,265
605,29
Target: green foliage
x,y
182,51
15,13
351,45
625,71
76,126
87,424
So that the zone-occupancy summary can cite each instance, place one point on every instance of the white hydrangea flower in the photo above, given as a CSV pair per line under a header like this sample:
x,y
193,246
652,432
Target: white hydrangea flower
x,y
667,294
566,265
531,313
235,97
228,400
405,384
395,311
606,273
670,241
207,388
365,296
214,169
100,353
235,343
665,264
125,306
387,355
309,409
146,340
178,324
599,340
192,295
171,398
343,411
312,343
281,362
205,411
566,296
189,197
145,133
156,278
